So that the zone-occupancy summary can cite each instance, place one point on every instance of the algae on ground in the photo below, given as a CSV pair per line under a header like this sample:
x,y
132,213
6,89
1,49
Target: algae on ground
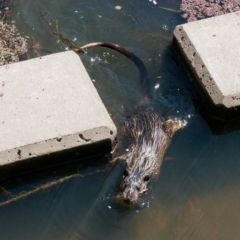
x,y
13,47
199,9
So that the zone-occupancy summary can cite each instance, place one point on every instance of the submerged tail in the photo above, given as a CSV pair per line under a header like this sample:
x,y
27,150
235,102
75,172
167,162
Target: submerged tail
x,y
144,79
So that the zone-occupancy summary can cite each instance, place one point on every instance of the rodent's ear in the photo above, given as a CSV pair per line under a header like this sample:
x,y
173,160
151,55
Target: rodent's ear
x,y
172,125
168,126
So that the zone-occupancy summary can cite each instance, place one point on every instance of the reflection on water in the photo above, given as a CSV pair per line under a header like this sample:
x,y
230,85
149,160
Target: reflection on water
x,y
196,194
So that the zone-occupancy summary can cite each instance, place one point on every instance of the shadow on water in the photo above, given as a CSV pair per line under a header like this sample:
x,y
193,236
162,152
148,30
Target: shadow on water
x,y
196,194
83,203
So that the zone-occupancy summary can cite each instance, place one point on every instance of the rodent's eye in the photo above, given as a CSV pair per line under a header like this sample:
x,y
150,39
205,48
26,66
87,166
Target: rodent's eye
x,y
146,178
125,173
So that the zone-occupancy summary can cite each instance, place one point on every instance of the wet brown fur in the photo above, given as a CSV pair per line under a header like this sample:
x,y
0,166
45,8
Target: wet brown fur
x,y
149,135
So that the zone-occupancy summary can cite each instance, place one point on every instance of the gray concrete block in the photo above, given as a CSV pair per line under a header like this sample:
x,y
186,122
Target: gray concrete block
x,y
211,49
47,105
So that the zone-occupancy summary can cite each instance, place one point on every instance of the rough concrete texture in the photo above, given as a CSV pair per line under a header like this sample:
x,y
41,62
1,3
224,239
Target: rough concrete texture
x,y
47,105
211,48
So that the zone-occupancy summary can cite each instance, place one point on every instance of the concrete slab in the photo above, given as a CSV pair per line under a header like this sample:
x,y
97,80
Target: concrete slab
x,y
47,105
211,49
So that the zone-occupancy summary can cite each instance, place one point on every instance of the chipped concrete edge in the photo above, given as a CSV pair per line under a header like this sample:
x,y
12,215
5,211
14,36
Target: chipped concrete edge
x,y
57,144
194,61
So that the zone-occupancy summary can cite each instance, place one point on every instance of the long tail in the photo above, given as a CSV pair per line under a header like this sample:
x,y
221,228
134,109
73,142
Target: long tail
x,y
144,79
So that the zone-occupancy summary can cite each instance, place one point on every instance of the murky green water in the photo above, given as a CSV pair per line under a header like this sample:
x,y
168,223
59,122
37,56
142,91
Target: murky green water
x,y
197,193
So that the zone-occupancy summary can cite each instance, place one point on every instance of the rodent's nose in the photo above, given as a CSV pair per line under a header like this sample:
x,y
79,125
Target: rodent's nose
x,y
130,197
127,200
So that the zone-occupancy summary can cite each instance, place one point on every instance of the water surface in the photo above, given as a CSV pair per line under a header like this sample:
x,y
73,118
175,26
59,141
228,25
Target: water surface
x,y
196,195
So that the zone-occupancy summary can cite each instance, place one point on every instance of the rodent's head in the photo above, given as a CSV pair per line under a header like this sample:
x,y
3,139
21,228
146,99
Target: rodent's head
x,y
136,176
133,185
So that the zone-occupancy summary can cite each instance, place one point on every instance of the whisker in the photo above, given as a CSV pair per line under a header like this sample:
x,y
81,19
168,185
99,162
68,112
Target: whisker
x,y
140,200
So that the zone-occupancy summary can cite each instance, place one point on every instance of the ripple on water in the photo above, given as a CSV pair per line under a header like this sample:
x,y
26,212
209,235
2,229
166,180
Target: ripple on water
x,y
106,213
204,168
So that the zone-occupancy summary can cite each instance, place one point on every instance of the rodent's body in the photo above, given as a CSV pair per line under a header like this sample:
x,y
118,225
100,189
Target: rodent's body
x,y
148,136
